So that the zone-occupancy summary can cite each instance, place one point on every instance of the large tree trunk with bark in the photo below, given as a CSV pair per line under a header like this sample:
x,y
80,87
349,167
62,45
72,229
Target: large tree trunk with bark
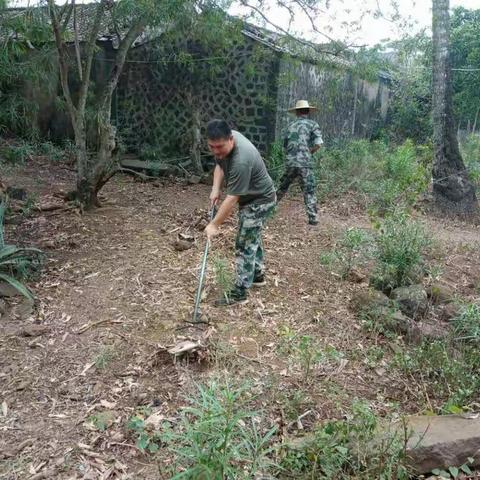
x,y
454,194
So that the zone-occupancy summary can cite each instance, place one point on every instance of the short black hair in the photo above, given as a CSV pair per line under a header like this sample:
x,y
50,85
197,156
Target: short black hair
x,y
218,129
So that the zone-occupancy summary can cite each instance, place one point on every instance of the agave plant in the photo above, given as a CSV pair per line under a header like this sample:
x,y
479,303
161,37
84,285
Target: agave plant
x,y
17,262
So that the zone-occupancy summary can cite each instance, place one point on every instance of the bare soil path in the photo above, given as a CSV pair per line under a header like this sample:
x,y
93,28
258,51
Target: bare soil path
x,y
113,293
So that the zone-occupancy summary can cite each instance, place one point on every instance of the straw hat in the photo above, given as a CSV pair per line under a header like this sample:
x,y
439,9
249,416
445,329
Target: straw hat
x,y
301,104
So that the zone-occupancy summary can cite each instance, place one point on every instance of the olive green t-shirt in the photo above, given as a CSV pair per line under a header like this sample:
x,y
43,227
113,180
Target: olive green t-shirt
x,y
245,173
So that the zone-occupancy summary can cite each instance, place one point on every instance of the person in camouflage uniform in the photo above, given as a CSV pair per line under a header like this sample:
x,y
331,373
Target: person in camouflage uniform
x,y
241,168
303,138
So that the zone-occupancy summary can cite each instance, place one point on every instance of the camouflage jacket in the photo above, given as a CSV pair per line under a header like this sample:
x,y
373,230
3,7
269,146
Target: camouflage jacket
x,y
301,135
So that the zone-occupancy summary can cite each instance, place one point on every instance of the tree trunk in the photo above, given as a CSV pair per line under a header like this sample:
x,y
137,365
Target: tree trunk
x,y
454,194
104,166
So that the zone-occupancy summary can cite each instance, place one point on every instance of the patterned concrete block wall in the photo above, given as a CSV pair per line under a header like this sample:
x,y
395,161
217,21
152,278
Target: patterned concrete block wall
x,y
156,97
346,107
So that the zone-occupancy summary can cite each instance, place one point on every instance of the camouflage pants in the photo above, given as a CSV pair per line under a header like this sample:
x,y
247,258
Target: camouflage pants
x,y
307,184
249,252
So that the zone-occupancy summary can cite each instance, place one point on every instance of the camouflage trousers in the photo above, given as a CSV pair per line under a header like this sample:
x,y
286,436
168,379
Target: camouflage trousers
x,y
307,184
249,253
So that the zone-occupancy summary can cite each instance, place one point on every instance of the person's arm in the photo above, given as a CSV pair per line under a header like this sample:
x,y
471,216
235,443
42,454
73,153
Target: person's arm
x,y
226,208
218,176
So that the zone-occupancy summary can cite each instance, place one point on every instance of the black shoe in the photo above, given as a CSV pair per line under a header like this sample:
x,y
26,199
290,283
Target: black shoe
x,y
236,296
259,280
313,221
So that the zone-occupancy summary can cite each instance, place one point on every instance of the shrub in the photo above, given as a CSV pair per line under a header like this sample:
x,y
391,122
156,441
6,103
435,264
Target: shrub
x,y
276,162
223,274
18,154
356,448
466,325
17,263
387,176
400,247
470,149
218,436
448,370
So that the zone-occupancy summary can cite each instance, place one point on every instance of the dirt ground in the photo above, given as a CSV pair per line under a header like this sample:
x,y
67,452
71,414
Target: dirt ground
x,y
115,293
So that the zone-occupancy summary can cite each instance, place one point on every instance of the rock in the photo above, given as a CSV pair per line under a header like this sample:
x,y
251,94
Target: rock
x,y
420,331
355,276
118,437
17,193
448,311
369,300
24,309
47,244
439,294
399,322
201,225
181,245
442,442
194,179
6,290
412,300
33,330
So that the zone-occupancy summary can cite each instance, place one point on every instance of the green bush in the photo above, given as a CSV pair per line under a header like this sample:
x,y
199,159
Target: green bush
x,y
17,263
18,154
356,448
471,155
447,370
400,247
218,436
223,274
466,325
385,176
276,162
352,250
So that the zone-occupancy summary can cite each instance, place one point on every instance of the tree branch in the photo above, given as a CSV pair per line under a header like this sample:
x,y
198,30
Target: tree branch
x,y
89,53
62,59
77,43
287,34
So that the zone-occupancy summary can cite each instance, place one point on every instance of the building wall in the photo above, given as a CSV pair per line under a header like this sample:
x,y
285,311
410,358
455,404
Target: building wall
x,y
346,107
158,100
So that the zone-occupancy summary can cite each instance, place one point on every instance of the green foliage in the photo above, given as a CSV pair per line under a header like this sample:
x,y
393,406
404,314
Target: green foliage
x,y
52,151
104,357
23,151
400,247
466,325
306,352
411,105
27,69
17,263
447,370
455,472
352,250
18,153
411,99
102,420
470,150
356,448
387,177
218,436
223,274
276,161
465,54
146,440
